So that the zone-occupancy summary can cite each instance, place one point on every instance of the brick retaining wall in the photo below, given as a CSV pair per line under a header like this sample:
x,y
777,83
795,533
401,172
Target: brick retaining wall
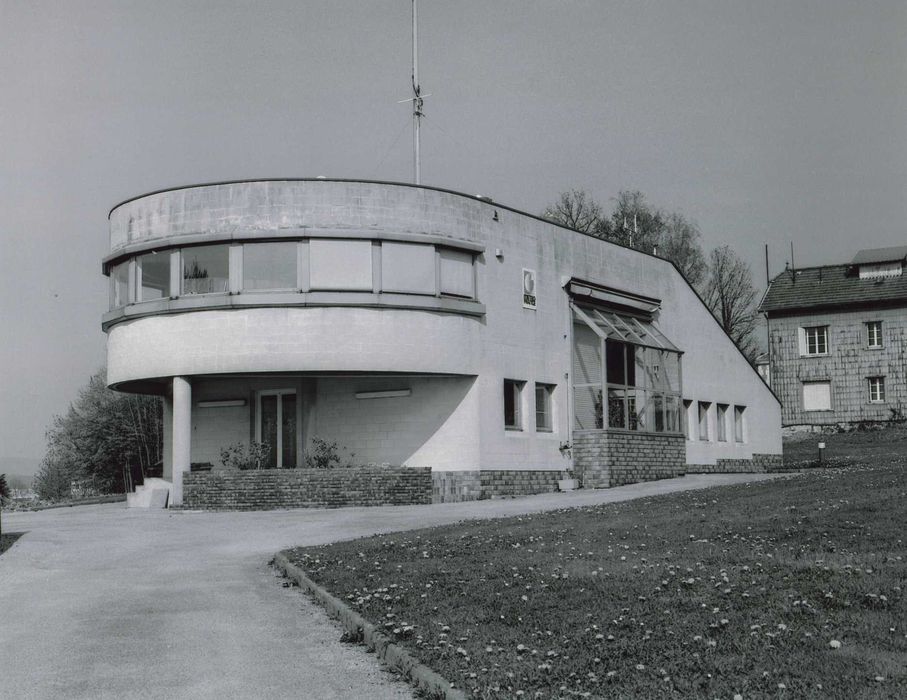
x,y
604,458
759,464
448,487
268,489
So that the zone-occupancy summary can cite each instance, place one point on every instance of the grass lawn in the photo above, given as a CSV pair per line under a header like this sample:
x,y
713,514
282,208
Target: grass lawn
x,y
866,446
790,588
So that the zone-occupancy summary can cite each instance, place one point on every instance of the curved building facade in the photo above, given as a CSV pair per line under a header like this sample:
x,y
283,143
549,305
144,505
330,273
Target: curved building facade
x,y
419,327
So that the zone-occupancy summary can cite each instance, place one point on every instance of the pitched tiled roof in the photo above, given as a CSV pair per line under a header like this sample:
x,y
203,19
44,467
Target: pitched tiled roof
x,y
830,286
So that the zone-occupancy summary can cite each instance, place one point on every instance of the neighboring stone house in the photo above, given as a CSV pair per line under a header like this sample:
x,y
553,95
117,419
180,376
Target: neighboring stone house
x,y
419,327
838,340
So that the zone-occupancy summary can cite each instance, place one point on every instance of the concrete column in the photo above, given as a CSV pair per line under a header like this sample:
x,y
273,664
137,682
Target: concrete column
x,y
168,437
181,450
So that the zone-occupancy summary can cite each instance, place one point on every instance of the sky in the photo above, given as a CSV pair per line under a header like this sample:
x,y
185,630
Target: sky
x,y
765,122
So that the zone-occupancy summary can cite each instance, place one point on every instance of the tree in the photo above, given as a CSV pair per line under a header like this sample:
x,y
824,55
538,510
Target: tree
x,y
679,243
577,210
101,433
730,295
4,494
634,223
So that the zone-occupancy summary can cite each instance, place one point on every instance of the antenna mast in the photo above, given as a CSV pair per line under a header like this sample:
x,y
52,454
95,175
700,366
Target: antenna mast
x,y
417,100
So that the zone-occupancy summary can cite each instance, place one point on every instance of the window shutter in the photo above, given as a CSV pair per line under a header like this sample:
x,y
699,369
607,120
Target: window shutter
x,y
457,277
817,396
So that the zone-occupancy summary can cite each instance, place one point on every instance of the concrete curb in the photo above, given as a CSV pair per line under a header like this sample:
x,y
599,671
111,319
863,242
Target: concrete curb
x,y
421,676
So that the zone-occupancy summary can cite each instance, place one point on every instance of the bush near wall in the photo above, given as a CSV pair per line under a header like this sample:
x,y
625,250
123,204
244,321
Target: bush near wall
x,y
268,489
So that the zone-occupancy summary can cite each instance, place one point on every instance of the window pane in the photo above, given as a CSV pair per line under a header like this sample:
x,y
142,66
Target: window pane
x,y
721,416
671,362
543,420
512,417
288,431
119,285
874,331
614,357
206,269
269,266
269,429
738,423
658,413
617,408
408,268
639,409
457,277
345,265
155,271
672,414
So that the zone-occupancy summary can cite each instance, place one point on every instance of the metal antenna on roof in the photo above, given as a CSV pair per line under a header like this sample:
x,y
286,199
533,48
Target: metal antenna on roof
x,y
416,99
793,269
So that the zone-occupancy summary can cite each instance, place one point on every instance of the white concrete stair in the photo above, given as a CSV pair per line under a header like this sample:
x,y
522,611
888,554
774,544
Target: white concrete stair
x,y
154,493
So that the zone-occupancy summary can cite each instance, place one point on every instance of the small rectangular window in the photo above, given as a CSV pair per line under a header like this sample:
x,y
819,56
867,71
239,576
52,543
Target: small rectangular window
x,y
874,334
513,394
738,422
816,340
269,265
877,389
721,422
816,396
704,420
457,275
206,269
544,422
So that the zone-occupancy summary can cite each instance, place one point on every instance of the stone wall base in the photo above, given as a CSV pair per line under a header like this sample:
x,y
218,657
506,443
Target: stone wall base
x,y
759,464
267,489
604,458
449,487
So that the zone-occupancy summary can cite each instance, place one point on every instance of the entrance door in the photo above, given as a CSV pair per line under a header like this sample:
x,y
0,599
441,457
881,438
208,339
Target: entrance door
x,y
277,426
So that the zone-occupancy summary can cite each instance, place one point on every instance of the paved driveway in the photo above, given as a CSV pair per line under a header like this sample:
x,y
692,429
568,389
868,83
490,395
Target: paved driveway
x,y
106,602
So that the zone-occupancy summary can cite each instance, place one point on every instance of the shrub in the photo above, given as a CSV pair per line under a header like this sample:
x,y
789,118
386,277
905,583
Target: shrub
x,y
326,455
240,456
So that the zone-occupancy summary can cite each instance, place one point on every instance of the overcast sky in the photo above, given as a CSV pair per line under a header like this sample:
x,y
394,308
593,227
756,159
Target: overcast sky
x,y
765,122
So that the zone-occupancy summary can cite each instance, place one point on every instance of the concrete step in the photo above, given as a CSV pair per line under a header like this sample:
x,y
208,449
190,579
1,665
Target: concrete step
x,y
154,493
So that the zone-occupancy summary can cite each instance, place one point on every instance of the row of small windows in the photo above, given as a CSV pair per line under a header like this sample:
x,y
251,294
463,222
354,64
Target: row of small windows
x,y
817,395
814,339
514,406
727,422
308,265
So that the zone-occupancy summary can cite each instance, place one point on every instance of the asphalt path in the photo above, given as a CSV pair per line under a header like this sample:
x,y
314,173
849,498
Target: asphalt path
x,y
108,602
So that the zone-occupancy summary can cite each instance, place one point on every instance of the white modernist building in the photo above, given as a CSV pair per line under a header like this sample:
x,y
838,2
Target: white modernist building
x,y
420,327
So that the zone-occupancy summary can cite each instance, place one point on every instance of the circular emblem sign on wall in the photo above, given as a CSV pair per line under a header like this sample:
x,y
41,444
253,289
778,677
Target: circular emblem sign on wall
x,y
528,289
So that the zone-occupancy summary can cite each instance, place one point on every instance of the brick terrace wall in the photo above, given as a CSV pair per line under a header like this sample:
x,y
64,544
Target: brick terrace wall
x,y
510,482
492,483
268,489
451,487
606,458
759,464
